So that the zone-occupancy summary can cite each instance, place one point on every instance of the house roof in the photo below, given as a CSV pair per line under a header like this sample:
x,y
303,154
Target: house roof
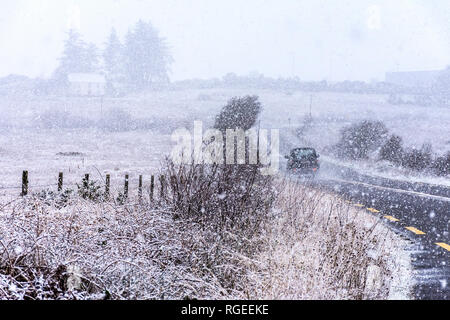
x,y
86,77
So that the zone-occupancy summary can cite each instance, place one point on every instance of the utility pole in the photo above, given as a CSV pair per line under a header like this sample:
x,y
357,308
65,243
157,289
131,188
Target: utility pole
x,y
101,107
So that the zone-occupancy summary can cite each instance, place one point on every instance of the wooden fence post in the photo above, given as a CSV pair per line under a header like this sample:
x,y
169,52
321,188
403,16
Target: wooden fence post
x,y
162,180
24,183
60,181
107,186
140,189
152,187
86,181
125,190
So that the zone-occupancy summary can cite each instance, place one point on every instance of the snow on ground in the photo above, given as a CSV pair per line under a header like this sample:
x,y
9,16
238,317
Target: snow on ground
x,y
385,169
24,148
131,153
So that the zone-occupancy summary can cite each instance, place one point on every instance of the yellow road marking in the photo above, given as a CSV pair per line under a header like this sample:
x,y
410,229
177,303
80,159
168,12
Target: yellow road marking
x,y
416,231
444,245
373,210
391,218
359,205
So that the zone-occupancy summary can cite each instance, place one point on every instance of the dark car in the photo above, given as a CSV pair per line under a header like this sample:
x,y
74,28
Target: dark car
x,y
303,161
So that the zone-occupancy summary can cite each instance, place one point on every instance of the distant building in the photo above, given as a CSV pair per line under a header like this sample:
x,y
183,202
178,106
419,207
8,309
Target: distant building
x,y
413,79
86,84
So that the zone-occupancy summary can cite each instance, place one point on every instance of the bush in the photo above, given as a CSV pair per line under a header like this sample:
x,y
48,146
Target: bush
x,y
441,165
223,196
418,160
239,113
90,190
392,150
359,139
414,159
57,199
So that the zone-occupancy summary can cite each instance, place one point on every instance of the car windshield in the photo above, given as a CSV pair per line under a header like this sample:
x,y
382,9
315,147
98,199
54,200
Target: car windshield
x,y
303,153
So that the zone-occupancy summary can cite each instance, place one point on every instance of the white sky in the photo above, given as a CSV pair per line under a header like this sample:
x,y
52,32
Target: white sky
x,y
311,39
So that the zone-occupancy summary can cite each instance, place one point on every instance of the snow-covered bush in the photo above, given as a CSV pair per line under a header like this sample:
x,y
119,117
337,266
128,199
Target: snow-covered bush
x,y
57,199
223,196
90,190
358,140
240,112
392,150
418,159
441,165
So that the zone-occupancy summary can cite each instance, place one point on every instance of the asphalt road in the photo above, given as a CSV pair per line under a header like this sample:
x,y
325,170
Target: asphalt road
x,y
418,212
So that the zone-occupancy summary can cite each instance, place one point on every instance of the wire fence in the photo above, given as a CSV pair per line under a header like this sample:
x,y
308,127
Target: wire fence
x,y
85,182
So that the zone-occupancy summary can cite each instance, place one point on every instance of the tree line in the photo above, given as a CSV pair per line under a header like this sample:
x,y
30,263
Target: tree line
x,y
140,61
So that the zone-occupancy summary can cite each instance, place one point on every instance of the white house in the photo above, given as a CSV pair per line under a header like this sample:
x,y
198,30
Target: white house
x,y
86,84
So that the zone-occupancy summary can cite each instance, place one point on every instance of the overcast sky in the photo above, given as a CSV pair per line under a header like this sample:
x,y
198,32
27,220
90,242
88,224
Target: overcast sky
x,y
311,39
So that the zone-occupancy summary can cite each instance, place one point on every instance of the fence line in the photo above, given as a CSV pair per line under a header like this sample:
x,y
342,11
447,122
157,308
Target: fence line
x,y
26,186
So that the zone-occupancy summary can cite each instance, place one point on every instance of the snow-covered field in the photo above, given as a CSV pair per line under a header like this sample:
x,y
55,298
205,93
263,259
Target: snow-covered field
x,y
23,147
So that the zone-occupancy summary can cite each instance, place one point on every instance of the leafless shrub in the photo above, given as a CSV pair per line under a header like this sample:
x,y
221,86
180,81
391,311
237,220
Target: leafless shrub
x,y
222,195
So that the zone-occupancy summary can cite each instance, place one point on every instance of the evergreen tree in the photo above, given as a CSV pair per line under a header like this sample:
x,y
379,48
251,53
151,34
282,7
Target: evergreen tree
x,y
113,57
239,113
147,58
77,57
92,58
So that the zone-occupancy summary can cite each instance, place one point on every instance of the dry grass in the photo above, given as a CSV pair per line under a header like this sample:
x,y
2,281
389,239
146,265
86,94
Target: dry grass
x,y
320,247
312,246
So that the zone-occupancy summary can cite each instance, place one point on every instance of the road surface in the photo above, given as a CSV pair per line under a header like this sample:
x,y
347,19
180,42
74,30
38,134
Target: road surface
x,y
418,212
